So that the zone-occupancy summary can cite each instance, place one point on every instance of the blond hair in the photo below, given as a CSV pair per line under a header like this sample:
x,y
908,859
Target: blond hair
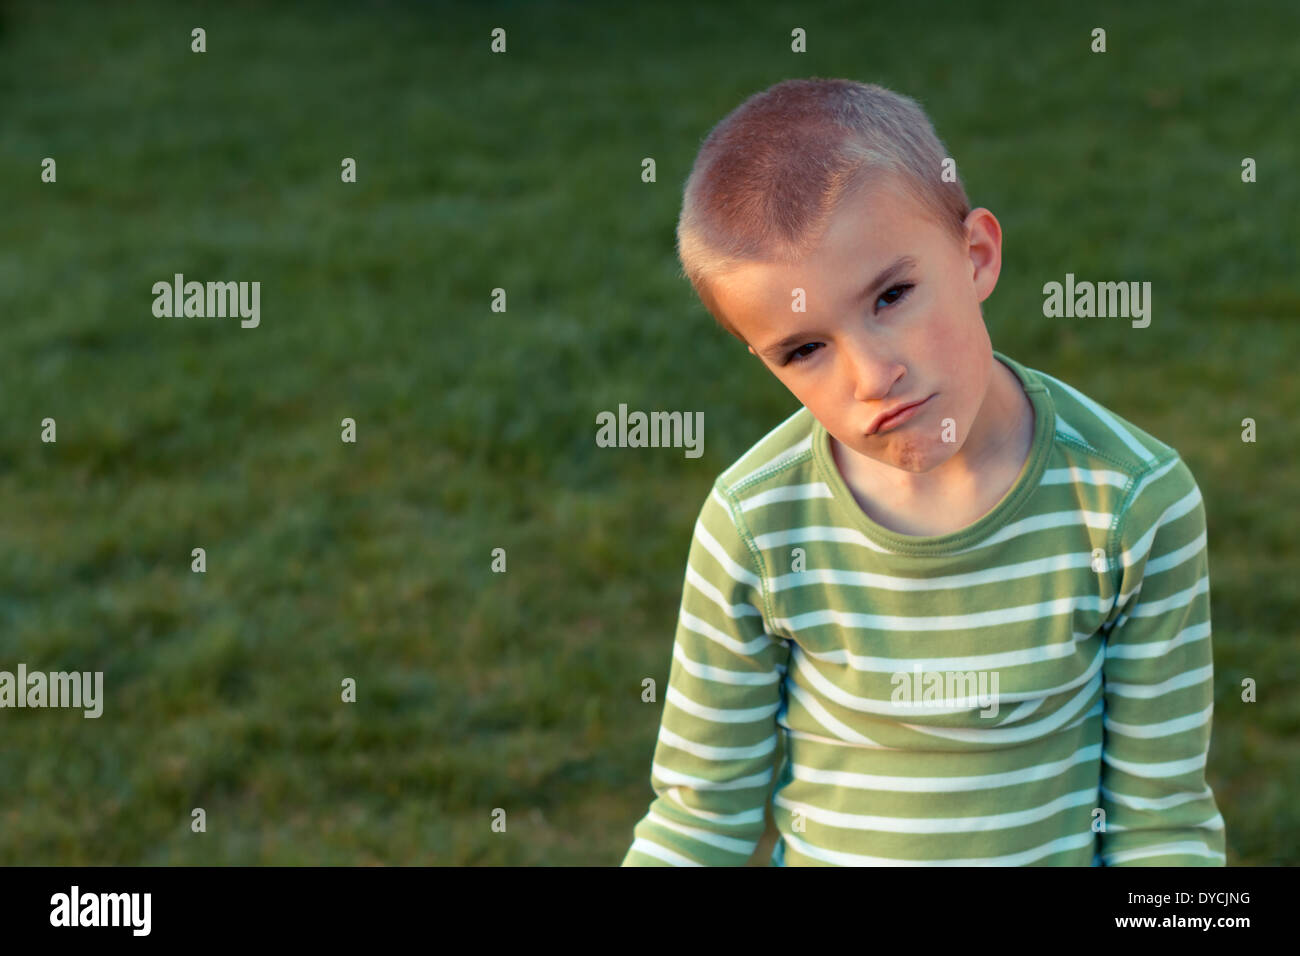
x,y
772,173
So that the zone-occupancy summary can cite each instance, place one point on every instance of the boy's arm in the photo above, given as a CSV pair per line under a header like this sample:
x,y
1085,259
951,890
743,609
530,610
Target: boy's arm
x,y
712,769
1159,683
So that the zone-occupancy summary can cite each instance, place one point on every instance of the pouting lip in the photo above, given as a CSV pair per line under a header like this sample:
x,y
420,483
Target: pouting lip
x,y
894,411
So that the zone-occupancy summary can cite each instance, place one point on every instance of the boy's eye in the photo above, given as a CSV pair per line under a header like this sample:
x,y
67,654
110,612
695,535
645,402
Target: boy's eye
x,y
796,357
902,290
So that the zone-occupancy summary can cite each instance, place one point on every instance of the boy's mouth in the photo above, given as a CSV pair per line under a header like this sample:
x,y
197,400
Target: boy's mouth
x,y
896,415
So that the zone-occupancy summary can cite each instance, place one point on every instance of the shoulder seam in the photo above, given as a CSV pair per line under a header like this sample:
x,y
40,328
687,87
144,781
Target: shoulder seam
x,y
1124,466
784,423
1068,392
755,554
1119,522
769,471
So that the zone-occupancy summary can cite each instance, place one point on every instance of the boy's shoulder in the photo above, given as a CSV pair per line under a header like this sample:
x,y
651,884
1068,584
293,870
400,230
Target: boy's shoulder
x,y
786,445
1089,429
1100,448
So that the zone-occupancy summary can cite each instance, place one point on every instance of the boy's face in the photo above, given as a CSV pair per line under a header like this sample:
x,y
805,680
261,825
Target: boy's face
x,y
863,347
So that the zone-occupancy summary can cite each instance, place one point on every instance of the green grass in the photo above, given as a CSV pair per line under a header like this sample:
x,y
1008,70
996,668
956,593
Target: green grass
x,y
521,690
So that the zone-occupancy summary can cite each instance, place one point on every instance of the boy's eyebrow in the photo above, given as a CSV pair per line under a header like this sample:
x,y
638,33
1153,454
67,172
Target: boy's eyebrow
x,y
900,264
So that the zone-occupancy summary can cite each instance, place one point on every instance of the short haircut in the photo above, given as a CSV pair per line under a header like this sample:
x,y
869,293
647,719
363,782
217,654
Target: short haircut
x,y
772,173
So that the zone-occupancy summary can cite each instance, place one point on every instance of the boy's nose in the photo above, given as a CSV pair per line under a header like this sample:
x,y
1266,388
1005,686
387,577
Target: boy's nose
x,y
873,376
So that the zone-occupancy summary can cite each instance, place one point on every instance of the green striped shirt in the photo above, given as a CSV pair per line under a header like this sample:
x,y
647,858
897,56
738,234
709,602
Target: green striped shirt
x,y
1036,688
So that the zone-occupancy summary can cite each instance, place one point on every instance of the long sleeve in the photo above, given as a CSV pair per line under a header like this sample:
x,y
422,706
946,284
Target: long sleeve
x,y
713,760
1159,683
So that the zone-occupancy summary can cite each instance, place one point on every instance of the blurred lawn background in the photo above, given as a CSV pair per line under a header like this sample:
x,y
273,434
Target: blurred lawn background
x,y
476,429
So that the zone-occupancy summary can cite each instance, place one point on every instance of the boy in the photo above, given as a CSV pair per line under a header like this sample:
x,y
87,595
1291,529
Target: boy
x,y
936,519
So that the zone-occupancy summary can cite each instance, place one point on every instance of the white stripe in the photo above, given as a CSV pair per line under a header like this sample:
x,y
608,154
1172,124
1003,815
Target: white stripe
x,y
1155,803
1147,691
729,715
753,815
984,781
1182,506
776,539
696,625
1213,823
706,587
973,824
1044,522
890,708
1064,429
816,489
999,617
707,752
1054,721
1075,475
730,844
1100,520
1163,729
720,674
1156,771
1176,600
668,777
997,574
649,848
1175,558
980,662
1075,842
1188,848
836,727
1025,709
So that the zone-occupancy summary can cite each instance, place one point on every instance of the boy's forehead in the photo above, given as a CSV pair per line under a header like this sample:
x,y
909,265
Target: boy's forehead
x,y
865,236
874,226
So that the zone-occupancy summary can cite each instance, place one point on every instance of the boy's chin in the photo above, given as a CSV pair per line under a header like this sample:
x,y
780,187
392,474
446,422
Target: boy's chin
x,y
901,452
